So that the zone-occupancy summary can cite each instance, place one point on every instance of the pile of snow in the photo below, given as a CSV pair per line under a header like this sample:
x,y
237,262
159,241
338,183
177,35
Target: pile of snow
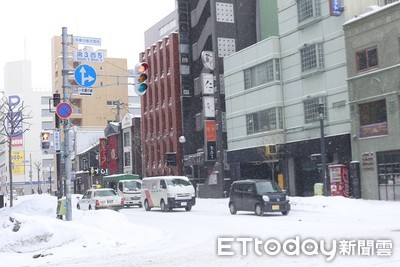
x,y
31,226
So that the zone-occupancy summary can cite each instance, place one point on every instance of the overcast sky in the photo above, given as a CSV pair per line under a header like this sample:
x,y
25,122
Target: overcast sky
x,y
27,27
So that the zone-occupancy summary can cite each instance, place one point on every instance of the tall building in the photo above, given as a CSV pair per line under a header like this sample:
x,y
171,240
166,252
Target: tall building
x,y
31,168
275,88
208,30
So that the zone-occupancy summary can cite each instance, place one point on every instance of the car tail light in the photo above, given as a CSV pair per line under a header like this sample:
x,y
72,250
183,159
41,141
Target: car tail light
x,y
122,201
97,203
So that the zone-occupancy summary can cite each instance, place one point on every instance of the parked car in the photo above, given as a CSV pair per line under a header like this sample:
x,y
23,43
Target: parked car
x,y
15,195
258,195
103,198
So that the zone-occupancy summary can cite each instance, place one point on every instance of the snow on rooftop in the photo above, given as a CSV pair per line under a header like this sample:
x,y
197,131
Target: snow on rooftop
x,y
370,11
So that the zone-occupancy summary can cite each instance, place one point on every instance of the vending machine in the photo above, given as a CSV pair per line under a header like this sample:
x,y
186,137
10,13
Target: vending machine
x,y
339,176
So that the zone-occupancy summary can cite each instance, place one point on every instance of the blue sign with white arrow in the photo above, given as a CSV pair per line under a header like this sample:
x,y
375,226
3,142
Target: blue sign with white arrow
x,y
85,75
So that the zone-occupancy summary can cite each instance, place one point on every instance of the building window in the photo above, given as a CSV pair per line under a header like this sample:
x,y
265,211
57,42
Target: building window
x,y
45,100
367,59
373,112
312,57
46,113
127,138
47,125
373,119
261,74
112,102
308,9
264,120
76,121
127,158
311,113
386,2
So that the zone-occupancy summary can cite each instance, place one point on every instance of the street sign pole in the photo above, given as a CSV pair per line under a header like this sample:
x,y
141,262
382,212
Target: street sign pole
x,y
66,98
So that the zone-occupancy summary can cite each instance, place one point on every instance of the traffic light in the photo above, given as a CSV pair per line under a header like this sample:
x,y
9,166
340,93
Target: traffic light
x,y
270,150
45,140
141,78
56,99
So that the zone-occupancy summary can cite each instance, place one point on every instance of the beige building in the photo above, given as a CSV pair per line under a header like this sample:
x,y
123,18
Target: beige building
x,y
109,101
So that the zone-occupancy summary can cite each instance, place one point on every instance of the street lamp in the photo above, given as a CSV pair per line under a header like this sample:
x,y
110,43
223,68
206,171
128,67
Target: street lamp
x,y
182,140
321,112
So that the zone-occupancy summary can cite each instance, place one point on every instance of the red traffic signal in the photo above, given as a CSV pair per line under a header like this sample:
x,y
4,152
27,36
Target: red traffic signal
x,y
141,78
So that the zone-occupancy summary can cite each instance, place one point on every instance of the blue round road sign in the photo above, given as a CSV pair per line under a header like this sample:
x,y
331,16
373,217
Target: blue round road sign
x,y
85,75
64,110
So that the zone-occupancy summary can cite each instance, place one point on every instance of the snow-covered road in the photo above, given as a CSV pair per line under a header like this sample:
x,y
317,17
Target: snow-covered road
x,y
364,231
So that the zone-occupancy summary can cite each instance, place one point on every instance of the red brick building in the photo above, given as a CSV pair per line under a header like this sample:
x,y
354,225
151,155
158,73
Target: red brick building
x,y
161,109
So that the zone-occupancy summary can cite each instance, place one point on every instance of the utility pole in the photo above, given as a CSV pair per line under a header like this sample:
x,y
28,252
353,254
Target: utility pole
x,y
56,101
117,115
321,111
66,98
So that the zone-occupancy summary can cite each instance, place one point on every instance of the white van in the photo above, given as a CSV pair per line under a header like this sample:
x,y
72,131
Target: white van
x,y
168,192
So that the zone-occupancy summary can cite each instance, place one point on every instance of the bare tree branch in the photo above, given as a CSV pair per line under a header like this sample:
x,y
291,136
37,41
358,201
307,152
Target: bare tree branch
x,y
13,118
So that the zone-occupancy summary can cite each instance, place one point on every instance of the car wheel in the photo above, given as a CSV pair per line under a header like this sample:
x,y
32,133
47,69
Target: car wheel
x,y
188,208
258,210
78,207
285,212
146,205
163,207
232,208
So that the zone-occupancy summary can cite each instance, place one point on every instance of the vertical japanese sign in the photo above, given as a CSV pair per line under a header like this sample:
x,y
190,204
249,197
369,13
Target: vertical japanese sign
x,y
211,138
103,153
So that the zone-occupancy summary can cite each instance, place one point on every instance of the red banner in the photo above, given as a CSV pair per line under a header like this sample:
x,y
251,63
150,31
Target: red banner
x,y
103,153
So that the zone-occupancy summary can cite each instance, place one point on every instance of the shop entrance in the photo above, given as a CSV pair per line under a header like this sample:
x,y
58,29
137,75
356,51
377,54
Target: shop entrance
x,y
389,175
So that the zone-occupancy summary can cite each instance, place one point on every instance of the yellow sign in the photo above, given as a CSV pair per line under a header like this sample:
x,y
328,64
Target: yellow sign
x,y
281,181
17,161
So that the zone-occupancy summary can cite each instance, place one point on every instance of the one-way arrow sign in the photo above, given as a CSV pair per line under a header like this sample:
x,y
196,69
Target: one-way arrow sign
x,y
85,75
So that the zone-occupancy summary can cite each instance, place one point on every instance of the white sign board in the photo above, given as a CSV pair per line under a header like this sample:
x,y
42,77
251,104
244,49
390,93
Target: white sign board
x,y
87,56
208,59
85,91
207,83
86,40
209,106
